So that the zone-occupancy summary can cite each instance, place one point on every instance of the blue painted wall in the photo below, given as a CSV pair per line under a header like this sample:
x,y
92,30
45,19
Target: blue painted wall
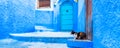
x,y
44,18
16,16
21,16
106,23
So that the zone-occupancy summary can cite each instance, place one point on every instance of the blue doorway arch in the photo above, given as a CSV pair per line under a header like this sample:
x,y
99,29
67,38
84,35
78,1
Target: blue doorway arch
x,y
66,17
61,21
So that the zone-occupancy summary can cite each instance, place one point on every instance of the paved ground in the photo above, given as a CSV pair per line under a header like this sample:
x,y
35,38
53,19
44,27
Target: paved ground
x,y
11,43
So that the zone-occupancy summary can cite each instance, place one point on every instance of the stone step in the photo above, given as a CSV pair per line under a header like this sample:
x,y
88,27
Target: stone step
x,y
48,37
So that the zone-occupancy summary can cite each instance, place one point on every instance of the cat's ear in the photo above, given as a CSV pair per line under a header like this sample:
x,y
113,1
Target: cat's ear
x,y
72,32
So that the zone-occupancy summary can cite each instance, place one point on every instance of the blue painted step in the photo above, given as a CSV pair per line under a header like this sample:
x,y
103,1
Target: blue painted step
x,y
79,44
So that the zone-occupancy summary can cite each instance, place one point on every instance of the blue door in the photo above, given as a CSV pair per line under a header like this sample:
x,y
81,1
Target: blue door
x,y
66,17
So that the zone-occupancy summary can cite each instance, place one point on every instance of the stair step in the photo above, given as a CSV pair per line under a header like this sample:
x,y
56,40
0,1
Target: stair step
x,y
48,37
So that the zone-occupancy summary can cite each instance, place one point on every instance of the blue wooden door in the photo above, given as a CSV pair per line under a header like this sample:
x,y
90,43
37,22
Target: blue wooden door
x,y
66,14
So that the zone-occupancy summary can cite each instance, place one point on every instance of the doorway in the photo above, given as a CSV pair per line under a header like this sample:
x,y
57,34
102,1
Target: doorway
x,y
66,17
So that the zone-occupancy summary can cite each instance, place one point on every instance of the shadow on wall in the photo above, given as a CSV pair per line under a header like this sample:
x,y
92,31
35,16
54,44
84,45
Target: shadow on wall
x,y
4,35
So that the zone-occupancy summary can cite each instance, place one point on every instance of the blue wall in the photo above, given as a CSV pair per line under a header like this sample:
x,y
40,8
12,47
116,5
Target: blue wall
x,y
21,16
44,18
16,16
106,23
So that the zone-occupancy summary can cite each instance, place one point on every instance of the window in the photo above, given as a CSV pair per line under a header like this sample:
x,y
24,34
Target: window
x,y
44,5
